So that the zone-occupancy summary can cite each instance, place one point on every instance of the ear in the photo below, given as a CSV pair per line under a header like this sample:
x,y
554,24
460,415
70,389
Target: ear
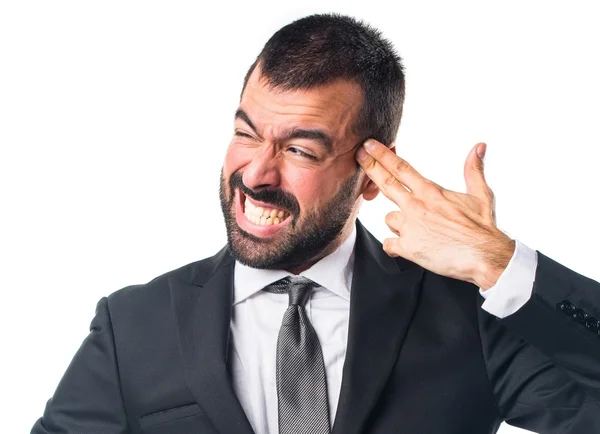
x,y
370,189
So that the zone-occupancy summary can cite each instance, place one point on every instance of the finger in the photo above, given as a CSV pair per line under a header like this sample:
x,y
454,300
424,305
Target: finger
x,y
397,166
387,183
394,221
393,247
474,173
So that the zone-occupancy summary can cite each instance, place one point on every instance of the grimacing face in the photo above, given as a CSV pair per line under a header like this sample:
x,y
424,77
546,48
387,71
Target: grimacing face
x,y
290,185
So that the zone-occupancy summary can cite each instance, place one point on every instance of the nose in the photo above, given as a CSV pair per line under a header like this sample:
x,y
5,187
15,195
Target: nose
x,y
263,171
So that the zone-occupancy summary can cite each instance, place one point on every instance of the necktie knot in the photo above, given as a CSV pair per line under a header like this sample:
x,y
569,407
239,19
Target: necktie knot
x,y
298,288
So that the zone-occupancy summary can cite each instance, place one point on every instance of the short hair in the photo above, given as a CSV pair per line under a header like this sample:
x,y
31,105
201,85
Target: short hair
x,y
318,49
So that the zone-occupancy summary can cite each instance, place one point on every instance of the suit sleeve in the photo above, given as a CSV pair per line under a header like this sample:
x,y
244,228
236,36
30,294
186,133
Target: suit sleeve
x,y
88,398
542,361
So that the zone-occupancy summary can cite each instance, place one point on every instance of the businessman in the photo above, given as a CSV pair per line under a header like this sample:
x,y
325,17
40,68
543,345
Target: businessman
x,y
304,322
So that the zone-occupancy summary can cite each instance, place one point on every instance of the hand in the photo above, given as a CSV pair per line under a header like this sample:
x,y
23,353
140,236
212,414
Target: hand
x,y
449,233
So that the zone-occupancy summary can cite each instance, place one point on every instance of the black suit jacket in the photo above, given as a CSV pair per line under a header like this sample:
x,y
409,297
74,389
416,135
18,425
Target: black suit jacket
x,y
422,356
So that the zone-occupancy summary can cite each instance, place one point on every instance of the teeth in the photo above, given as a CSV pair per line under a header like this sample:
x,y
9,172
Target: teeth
x,y
264,216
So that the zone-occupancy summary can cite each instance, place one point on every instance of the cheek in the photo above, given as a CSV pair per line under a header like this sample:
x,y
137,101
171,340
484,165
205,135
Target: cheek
x,y
235,158
312,192
315,192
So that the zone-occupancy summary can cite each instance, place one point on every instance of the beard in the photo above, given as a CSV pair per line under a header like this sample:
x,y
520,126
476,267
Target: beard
x,y
306,237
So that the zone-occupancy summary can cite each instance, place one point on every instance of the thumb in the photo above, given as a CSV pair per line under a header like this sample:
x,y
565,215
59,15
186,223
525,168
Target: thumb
x,y
474,174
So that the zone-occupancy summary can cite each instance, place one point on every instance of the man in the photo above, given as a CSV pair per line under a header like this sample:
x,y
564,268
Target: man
x,y
304,322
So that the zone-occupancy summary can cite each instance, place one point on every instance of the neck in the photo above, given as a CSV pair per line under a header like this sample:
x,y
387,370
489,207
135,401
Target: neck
x,y
346,231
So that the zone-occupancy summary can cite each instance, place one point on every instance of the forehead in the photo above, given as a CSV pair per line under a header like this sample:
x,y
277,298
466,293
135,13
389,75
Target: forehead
x,y
333,106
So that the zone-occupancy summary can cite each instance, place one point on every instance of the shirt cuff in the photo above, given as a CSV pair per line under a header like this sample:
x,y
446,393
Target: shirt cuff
x,y
514,286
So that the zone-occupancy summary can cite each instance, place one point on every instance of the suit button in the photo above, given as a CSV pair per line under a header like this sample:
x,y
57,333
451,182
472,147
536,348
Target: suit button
x,y
591,323
579,315
567,307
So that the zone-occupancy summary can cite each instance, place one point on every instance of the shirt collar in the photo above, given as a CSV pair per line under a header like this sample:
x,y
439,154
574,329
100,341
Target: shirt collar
x,y
333,272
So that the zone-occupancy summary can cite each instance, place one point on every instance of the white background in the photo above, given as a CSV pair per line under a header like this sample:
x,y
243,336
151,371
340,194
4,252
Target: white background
x,y
115,116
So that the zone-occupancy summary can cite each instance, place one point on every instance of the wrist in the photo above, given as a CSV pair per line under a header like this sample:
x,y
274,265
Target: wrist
x,y
494,262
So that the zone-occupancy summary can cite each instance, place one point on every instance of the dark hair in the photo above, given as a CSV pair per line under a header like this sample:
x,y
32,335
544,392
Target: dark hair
x,y
319,49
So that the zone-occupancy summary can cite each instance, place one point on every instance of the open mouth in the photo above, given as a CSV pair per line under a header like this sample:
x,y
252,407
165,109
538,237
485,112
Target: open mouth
x,y
262,214
259,218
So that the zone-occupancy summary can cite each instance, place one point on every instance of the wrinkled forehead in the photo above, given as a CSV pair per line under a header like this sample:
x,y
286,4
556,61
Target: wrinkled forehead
x,y
333,106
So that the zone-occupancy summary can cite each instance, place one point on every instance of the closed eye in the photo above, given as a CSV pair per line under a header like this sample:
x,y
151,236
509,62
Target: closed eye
x,y
241,134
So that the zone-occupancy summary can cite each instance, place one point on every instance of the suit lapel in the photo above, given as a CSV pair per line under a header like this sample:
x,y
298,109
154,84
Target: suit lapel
x,y
383,299
203,312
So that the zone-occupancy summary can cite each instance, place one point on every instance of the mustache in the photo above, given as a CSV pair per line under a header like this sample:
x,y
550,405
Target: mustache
x,y
277,198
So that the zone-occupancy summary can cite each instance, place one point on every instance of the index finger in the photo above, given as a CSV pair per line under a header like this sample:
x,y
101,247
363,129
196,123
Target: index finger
x,y
398,167
385,181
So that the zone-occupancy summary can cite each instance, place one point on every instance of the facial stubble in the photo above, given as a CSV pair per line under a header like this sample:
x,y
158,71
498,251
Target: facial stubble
x,y
306,237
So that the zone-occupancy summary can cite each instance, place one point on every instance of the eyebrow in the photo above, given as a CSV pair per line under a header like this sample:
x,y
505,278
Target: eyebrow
x,y
241,114
295,133
310,134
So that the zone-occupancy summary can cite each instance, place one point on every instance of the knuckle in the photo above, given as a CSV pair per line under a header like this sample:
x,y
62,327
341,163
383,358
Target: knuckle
x,y
400,167
435,187
481,167
393,221
390,180
370,165
387,245
433,190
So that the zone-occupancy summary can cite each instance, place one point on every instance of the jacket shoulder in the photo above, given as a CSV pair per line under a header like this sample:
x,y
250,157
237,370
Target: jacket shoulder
x,y
158,287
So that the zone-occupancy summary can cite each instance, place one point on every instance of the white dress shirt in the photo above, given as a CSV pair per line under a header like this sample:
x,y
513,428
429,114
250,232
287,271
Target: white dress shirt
x,y
256,319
